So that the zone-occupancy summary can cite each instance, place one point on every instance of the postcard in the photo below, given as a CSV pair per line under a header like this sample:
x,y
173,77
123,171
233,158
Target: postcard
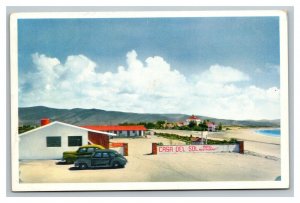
x,y
162,100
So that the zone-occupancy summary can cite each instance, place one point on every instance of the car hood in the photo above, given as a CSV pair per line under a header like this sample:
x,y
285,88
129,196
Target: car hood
x,y
70,152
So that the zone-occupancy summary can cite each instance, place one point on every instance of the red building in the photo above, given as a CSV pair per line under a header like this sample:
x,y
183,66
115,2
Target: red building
x,y
119,130
192,118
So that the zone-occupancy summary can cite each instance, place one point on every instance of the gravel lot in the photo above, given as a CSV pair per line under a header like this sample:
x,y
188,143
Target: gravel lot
x,y
143,167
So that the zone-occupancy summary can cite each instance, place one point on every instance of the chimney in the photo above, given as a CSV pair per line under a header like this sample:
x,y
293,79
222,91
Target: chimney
x,y
45,121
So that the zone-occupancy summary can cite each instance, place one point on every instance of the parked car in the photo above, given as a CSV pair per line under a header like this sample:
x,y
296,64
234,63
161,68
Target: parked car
x,y
103,158
70,156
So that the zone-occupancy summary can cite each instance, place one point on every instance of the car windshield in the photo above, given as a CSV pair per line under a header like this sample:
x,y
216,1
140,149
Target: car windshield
x,y
115,154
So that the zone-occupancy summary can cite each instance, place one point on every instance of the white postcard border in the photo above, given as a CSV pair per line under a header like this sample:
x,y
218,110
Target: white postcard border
x,y
283,183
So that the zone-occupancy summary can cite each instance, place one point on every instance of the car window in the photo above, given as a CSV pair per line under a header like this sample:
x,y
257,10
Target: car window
x,y
90,149
98,155
105,155
82,150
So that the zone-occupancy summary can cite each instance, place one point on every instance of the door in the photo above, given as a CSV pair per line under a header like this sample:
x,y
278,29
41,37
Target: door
x,y
105,159
100,159
96,160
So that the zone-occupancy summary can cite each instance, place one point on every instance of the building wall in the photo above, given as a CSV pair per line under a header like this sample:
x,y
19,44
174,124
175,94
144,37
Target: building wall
x,y
212,128
195,120
173,149
99,139
33,145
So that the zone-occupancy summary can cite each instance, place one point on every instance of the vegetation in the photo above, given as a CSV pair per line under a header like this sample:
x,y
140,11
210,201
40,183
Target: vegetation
x,y
187,140
149,125
202,126
192,124
25,128
220,126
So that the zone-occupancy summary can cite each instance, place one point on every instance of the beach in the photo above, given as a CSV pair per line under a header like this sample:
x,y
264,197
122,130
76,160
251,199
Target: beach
x,y
261,162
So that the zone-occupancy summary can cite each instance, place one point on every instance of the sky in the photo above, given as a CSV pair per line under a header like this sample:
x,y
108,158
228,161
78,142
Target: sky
x,y
220,67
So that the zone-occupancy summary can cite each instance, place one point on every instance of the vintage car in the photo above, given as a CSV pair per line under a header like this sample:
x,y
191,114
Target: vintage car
x,y
70,156
104,158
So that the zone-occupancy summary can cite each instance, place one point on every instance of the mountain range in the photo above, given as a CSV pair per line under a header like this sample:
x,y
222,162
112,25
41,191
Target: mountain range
x,y
78,116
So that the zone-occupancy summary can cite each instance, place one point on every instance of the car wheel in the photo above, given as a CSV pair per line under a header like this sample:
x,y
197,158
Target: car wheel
x,y
83,166
116,164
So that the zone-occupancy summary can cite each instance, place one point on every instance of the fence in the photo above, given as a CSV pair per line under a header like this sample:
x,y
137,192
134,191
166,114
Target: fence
x,y
122,148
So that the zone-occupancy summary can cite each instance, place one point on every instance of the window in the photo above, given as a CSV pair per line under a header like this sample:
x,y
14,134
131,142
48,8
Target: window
x,y
53,141
82,150
105,155
90,150
113,154
74,141
98,155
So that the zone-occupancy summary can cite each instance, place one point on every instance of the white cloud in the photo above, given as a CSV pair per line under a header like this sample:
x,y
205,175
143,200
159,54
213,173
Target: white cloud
x,y
223,74
146,87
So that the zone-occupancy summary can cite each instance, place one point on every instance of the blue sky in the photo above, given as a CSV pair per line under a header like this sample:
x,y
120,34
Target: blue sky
x,y
190,46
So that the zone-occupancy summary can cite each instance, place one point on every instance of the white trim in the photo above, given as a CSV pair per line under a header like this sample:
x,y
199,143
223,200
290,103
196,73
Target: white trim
x,y
147,14
69,125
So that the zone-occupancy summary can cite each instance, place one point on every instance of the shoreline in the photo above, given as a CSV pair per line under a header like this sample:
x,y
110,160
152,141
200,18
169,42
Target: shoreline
x,y
268,134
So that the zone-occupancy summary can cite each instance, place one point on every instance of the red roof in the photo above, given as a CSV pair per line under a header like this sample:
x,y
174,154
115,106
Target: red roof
x,y
115,127
193,117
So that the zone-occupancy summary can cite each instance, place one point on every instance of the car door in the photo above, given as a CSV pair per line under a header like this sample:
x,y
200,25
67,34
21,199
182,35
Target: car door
x,y
96,160
105,159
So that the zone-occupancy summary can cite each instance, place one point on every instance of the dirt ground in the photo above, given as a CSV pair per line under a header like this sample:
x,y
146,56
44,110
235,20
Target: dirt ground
x,y
143,167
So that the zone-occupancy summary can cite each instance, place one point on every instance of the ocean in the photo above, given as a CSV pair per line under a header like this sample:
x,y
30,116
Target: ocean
x,y
269,132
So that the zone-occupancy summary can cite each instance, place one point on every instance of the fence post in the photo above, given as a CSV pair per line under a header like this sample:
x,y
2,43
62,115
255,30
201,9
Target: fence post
x,y
125,146
154,148
241,147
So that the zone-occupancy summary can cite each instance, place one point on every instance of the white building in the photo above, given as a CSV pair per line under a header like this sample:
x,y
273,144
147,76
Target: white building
x,y
211,126
192,118
51,140
120,130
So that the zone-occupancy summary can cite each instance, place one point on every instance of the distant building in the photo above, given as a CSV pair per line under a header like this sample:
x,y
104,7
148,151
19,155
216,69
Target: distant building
x,y
193,118
180,124
169,125
119,130
211,126
53,138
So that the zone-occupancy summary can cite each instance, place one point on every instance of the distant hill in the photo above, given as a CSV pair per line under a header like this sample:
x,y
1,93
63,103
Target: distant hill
x,y
77,116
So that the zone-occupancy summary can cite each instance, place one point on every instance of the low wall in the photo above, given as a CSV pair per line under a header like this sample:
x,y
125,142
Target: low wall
x,y
173,149
122,148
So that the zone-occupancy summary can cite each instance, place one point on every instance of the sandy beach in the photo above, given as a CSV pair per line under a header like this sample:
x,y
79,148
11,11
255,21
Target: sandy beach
x,y
261,162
